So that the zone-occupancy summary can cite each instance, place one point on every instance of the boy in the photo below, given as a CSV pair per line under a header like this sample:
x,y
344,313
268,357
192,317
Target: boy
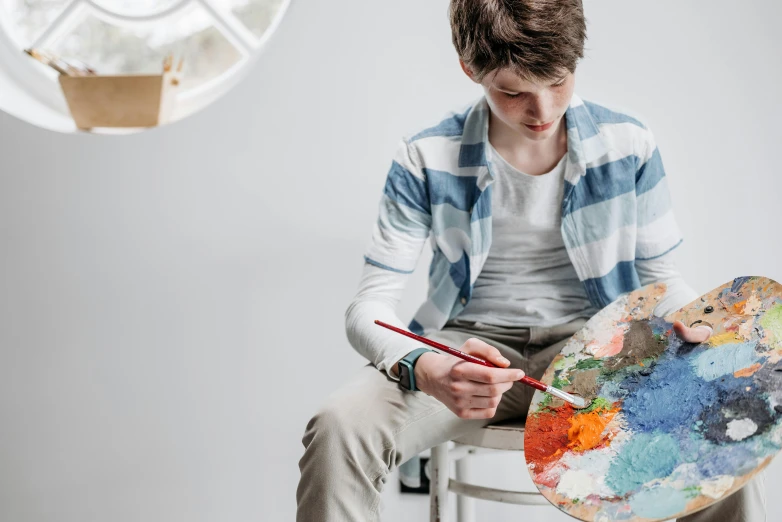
x,y
542,209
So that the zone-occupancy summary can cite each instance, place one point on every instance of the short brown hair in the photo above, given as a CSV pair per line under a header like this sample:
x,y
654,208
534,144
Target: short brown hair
x,y
538,39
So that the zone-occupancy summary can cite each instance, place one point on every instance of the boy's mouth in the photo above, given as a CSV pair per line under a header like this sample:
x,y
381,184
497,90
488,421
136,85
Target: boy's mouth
x,y
539,128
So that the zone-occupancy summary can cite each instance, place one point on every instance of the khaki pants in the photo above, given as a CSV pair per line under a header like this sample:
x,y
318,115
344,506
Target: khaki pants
x,y
369,427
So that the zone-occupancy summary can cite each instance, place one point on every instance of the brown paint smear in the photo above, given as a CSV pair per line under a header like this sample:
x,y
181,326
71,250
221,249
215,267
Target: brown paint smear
x,y
639,343
585,383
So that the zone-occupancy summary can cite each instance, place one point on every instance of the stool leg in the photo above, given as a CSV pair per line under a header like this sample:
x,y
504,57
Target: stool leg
x,y
465,506
438,484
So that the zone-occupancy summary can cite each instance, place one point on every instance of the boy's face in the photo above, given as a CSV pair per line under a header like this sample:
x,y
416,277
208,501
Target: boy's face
x,y
533,109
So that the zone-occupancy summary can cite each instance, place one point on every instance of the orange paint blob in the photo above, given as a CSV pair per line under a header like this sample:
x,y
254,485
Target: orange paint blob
x,y
586,429
746,372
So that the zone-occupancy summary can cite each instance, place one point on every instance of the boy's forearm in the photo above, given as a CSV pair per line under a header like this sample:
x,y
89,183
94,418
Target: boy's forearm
x,y
678,295
378,294
378,345
663,269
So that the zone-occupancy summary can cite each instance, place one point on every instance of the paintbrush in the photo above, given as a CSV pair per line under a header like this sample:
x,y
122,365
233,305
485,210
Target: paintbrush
x,y
575,400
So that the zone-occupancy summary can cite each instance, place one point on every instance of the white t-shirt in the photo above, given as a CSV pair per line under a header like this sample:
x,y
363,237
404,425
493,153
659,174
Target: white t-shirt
x,y
528,278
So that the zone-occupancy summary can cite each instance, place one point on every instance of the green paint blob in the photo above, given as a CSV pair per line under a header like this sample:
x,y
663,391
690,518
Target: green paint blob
x,y
588,364
598,403
559,382
772,322
564,362
661,502
645,457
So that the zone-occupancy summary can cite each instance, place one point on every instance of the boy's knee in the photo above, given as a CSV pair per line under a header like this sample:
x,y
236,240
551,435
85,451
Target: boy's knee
x,y
334,425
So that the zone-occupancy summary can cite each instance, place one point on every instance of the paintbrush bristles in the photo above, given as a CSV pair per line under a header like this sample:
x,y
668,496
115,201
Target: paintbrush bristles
x,y
579,402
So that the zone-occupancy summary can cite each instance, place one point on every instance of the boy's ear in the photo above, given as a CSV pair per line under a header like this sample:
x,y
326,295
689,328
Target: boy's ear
x,y
466,70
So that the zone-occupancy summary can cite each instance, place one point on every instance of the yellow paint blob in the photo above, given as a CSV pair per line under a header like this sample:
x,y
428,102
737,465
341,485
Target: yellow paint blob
x,y
724,338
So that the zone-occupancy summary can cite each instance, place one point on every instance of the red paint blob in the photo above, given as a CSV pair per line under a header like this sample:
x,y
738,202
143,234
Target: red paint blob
x,y
546,436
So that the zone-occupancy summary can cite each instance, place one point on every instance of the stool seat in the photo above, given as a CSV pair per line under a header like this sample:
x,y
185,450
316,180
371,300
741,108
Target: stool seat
x,y
503,436
506,435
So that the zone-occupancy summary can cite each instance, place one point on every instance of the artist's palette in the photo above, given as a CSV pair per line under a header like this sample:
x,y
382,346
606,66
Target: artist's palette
x,y
673,427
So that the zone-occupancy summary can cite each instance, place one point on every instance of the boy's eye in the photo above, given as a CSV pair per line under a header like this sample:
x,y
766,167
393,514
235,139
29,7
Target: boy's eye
x,y
509,95
560,84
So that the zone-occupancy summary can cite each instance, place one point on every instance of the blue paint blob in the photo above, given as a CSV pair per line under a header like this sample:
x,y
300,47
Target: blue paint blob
x,y
661,327
661,502
672,396
734,459
643,458
738,283
611,390
724,360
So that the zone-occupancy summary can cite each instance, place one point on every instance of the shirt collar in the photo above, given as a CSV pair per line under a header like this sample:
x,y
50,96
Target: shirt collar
x,y
585,141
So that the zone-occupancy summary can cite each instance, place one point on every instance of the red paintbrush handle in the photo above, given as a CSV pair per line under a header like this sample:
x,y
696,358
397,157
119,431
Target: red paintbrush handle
x,y
458,353
534,383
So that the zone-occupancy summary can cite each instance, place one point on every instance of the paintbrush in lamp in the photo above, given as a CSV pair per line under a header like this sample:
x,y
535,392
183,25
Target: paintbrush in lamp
x,y
576,401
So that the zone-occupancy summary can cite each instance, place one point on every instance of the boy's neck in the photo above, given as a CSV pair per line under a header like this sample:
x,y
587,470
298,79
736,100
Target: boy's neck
x,y
533,157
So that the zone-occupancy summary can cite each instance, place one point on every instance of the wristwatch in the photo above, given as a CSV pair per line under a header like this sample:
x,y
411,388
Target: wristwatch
x,y
407,369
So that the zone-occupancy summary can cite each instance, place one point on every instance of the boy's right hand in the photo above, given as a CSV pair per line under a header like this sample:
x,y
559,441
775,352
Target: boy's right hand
x,y
470,390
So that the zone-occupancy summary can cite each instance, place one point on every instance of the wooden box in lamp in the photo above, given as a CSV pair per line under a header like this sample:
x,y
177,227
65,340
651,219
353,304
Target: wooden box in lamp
x,y
121,100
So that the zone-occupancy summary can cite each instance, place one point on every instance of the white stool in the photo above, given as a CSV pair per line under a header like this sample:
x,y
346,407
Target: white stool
x,y
505,436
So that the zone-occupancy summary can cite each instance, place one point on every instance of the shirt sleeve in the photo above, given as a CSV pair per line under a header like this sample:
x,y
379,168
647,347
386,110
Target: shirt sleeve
x,y
404,218
400,232
663,270
658,233
379,292
657,230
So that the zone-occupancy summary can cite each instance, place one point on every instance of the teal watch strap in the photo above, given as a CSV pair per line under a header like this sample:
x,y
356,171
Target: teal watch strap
x,y
407,368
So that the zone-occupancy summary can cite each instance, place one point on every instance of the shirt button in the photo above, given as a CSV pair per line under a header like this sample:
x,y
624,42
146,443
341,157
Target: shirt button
x,y
463,300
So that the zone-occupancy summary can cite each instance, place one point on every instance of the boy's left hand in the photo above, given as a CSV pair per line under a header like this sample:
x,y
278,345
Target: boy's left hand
x,y
699,334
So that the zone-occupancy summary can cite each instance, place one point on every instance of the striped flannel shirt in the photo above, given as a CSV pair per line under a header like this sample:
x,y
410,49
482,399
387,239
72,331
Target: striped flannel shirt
x,y
616,208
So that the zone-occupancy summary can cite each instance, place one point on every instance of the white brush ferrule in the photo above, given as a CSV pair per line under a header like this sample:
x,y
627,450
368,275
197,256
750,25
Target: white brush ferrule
x,y
565,396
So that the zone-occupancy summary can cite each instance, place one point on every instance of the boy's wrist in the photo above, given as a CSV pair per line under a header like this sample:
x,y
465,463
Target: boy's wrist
x,y
422,370
407,369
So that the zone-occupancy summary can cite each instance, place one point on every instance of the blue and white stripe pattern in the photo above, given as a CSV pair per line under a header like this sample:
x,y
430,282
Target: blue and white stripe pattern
x,y
616,208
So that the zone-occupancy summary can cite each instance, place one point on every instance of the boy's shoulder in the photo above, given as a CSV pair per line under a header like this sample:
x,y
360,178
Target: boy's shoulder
x,y
452,124
607,114
622,129
451,143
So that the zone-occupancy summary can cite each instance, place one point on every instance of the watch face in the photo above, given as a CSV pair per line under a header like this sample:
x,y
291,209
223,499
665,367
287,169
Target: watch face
x,y
404,375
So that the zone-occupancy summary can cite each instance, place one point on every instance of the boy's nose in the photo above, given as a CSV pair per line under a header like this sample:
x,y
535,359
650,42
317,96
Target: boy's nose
x,y
539,108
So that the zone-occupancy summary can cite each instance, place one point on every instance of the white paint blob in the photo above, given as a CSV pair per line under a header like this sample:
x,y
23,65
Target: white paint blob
x,y
576,483
717,486
597,462
740,429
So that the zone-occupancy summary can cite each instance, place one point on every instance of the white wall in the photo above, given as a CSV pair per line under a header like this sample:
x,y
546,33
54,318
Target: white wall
x,y
171,302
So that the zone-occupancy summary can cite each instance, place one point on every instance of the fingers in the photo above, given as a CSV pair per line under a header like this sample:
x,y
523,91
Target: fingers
x,y
699,334
483,374
477,413
472,407
479,403
485,351
473,391
477,389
